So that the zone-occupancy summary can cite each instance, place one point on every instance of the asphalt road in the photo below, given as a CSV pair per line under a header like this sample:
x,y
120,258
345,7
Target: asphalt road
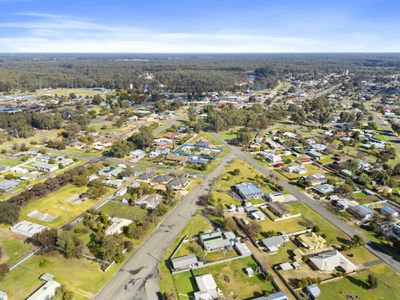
x,y
326,214
137,279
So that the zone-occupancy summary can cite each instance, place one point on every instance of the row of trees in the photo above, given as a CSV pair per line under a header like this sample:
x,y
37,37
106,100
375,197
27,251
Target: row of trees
x,y
9,210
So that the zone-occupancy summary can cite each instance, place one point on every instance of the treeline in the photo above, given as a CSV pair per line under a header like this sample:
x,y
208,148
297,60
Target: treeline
x,y
256,117
22,125
9,210
194,73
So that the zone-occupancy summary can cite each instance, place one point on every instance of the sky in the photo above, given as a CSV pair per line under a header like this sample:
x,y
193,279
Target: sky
x,y
199,26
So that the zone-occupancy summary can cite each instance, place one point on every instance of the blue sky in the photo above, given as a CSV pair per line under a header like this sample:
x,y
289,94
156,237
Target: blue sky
x,y
199,26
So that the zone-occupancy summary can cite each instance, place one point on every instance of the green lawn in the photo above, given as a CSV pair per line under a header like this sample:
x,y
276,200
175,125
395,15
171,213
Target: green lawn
x,y
226,179
224,199
123,211
355,287
58,203
332,233
240,286
359,255
13,246
364,198
82,276
11,162
288,226
66,92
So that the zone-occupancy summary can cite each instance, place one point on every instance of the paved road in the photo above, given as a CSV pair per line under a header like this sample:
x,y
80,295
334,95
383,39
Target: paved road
x,y
386,127
140,271
326,214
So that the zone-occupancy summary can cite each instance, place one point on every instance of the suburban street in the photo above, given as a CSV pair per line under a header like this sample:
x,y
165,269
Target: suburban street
x,y
137,279
313,204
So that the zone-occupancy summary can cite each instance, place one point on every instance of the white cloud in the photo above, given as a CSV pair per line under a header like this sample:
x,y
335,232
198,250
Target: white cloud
x,y
57,33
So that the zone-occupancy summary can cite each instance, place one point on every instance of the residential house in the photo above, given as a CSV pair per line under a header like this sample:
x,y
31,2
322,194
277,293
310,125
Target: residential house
x,y
242,249
331,260
214,241
389,212
162,179
324,189
279,209
7,185
361,212
179,159
44,167
111,171
146,177
274,158
149,201
313,291
249,190
116,183
276,197
208,289
316,179
138,154
185,262
117,225
273,243
179,183
298,169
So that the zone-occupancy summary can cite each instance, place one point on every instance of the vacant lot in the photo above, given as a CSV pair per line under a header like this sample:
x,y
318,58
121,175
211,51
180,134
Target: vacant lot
x,y
61,204
13,246
230,278
287,226
11,162
333,235
82,276
120,210
246,173
355,286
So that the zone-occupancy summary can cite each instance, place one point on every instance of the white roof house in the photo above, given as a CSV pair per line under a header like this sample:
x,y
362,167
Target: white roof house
x,y
330,260
151,201
28,229
44,166
117,225
208,289
46,291
3,295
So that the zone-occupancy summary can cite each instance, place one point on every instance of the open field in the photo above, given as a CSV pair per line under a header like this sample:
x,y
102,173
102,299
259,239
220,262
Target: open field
x,y
11,162
123,211
66,92
13,246
58,203
82,276
240,286
355,286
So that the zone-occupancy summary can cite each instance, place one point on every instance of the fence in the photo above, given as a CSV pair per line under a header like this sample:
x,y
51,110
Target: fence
x,y
26,257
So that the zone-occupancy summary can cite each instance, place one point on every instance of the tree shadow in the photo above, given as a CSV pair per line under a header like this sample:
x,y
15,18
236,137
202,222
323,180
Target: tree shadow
x,y
358,282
